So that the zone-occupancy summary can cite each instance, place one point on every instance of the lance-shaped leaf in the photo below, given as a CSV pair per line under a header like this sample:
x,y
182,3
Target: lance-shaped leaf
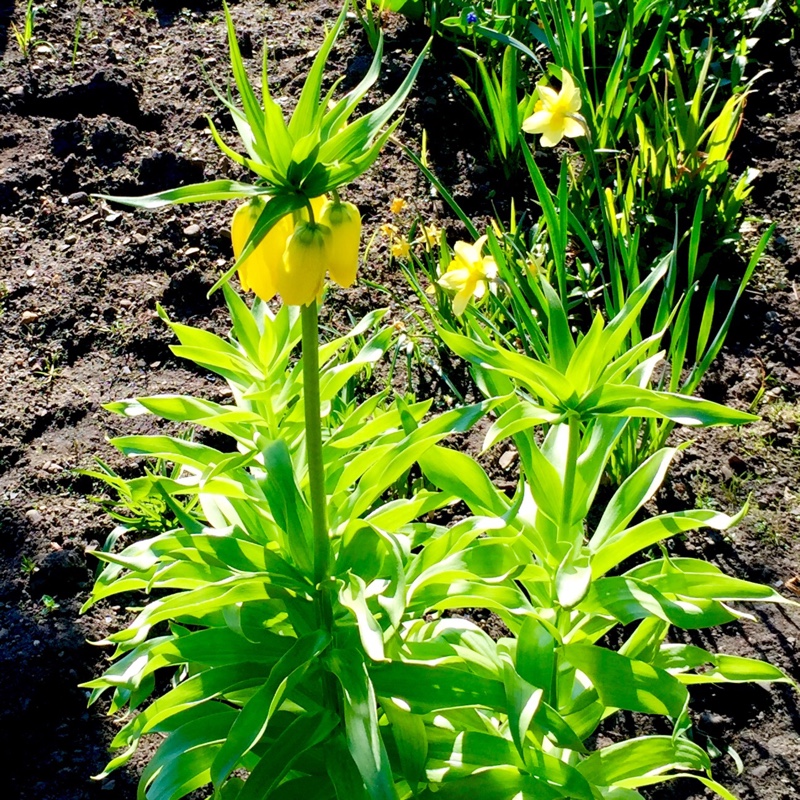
x,y
631,401
611,550
643,758
626,683
193,193
364,740
692,664
302,734
254,717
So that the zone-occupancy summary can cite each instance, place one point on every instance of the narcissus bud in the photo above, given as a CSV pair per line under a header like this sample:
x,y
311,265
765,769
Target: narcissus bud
x,y
302,272
257,271
344,220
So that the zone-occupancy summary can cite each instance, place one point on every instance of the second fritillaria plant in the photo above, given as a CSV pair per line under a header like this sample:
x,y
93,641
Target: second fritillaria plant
x,y
373,693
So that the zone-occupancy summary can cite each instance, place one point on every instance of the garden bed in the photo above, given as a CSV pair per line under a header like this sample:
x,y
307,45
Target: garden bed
x,y
123,113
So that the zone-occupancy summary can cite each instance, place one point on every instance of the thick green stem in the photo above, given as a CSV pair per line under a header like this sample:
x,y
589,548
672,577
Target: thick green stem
x,y
565,523
316,483
316,470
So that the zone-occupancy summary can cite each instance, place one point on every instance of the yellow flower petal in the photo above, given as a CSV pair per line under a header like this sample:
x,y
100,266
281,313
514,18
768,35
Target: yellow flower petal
x,y
467,254
398,205
257,271
537,122
552,133
302,273
454,280
344,220
461,300
401,249
469,273
548,97
569,92
574,127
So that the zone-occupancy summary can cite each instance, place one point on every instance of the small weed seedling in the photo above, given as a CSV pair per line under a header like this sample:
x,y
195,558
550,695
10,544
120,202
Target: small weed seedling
x,y
24,35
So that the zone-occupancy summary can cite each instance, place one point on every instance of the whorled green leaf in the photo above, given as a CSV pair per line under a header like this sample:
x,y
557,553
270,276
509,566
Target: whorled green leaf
x,y
642,758
193,193
692,664
303,733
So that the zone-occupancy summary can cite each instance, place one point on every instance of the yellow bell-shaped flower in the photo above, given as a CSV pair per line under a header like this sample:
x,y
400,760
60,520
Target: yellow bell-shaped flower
x,y
302,272
344,221
257,271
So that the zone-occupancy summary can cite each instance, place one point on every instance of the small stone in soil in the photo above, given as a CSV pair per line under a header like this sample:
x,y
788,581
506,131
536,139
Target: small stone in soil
x,y
33,516
507,459
78,199
191,230
28,317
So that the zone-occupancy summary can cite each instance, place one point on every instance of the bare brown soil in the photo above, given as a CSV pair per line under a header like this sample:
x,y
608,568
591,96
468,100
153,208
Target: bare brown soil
x,y
78,293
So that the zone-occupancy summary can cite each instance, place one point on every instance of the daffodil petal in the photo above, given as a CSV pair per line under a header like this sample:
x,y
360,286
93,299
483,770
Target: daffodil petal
x,y
570,94
548,96
468,254
537,122
461,300
552,134
454,280
480,290
574,127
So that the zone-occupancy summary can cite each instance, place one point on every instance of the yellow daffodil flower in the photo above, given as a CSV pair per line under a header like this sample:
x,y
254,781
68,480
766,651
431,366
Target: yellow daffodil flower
x,y
556,113
302,272
398,205
429,236
401,249
469,273
344,221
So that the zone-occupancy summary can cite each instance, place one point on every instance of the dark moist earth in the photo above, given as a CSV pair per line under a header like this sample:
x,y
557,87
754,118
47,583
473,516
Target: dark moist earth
x,y
124,114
